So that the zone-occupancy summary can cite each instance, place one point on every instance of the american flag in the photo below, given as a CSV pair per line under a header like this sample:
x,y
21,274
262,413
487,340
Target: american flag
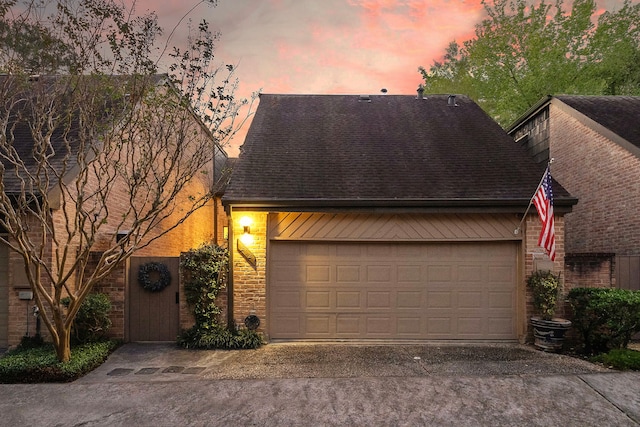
x,y
543,200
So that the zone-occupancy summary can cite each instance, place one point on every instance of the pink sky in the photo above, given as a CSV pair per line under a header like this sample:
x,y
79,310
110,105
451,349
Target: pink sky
x,y
328,46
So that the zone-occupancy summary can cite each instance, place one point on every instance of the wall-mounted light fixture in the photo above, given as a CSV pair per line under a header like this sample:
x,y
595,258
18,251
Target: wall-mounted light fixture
x,y
245,223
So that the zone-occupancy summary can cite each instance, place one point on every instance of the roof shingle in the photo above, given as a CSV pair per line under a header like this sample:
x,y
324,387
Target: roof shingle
x,y
619,114
390,148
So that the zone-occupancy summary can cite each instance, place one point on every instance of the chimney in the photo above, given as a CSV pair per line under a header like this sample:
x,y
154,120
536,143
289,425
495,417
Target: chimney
x,y
451,101
420,92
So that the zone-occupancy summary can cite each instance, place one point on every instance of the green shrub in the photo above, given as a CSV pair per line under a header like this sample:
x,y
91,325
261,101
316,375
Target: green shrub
x,y
92,320
40,364
622,359
205,274
220,338
544,286
605,318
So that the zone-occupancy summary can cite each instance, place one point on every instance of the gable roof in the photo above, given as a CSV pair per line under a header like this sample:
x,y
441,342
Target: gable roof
x,y
614,116
619,114
380,150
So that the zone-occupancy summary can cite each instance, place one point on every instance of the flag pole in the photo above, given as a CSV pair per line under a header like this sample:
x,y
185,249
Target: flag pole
x,y
517,230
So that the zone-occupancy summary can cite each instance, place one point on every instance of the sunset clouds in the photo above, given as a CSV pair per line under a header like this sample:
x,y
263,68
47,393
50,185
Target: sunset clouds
x,y
329,46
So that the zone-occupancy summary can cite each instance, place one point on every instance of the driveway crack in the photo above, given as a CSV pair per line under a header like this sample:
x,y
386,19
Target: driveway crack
x,y
612,402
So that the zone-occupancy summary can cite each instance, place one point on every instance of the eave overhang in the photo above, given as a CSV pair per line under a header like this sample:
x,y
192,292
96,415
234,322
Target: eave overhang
x,y
561,206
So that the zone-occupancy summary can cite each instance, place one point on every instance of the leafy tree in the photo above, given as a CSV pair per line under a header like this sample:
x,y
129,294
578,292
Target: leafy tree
x,y
104,125
522,52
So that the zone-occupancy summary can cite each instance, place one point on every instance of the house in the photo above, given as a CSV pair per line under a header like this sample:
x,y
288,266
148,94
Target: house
x,y
384,217
595,144
113,182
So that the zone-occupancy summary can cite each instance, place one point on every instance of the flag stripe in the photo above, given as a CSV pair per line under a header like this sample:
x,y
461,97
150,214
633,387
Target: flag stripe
x,y
543,201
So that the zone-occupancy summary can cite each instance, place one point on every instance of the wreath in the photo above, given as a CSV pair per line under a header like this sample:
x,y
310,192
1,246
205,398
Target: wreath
x,y
144,276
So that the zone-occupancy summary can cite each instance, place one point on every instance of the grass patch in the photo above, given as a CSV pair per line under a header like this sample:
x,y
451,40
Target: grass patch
x,y
40,365
622,359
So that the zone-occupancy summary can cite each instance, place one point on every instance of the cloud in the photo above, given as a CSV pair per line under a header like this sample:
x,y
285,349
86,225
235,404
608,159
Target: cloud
x,y
329,46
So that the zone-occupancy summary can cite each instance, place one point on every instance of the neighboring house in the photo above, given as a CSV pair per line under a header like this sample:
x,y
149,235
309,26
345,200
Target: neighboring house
x,y
595,144
384,217
137,314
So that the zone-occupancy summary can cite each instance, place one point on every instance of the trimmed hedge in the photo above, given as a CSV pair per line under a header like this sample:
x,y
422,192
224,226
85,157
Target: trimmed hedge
x,y
41,365
605,318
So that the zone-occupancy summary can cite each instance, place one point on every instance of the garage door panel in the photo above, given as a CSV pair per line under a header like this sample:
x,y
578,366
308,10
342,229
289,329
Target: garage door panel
x,y
347,273
318,325
499,299
441,299
348,326
409,326
287,299
380,326
470,300
407,290
409,299
287,325
320,299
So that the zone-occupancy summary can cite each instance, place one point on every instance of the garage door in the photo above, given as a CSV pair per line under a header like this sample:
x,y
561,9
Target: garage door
x,y
319,290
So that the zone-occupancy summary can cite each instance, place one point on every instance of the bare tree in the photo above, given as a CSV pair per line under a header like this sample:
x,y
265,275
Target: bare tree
x,y
101,143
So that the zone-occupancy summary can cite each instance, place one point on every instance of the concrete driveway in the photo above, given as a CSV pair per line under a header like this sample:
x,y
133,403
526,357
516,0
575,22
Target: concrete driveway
x,y
320,384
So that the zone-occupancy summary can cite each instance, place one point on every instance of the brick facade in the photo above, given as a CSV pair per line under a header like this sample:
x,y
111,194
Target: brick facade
x,y
605,178
603,175
204,225
249,281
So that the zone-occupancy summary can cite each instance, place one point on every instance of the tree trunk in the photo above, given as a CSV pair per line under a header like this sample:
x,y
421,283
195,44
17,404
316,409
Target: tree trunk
x,y
61,336
63,345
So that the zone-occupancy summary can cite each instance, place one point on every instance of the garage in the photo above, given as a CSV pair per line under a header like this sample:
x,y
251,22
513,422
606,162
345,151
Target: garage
x,y
392,290
395,217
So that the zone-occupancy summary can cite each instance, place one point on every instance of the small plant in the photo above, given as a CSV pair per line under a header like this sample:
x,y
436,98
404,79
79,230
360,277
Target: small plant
x,y
544,286
622,359
92,321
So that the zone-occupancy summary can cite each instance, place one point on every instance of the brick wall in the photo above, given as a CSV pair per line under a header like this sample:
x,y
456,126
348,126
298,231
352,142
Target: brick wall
x,y
20,312
535,258
249,281
605,178
590,270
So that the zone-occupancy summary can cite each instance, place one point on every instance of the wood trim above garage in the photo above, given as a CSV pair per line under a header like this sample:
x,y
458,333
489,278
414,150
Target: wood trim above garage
x,y
392,227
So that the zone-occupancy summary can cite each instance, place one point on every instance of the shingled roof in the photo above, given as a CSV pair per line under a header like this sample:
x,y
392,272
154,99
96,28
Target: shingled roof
x,y
380,150
619,114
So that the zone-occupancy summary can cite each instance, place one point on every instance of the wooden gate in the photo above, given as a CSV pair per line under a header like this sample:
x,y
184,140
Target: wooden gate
x,y
153,316
628,272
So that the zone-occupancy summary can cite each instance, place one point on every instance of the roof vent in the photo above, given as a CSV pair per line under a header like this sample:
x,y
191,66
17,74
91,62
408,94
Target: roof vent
x,y
451,101
420,92
384,90
364,98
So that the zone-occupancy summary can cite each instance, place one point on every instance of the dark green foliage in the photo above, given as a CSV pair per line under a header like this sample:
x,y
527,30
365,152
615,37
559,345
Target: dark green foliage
x,y
205,272
40,364
92,320
544,287
31,342
622,359
605,318
220,338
